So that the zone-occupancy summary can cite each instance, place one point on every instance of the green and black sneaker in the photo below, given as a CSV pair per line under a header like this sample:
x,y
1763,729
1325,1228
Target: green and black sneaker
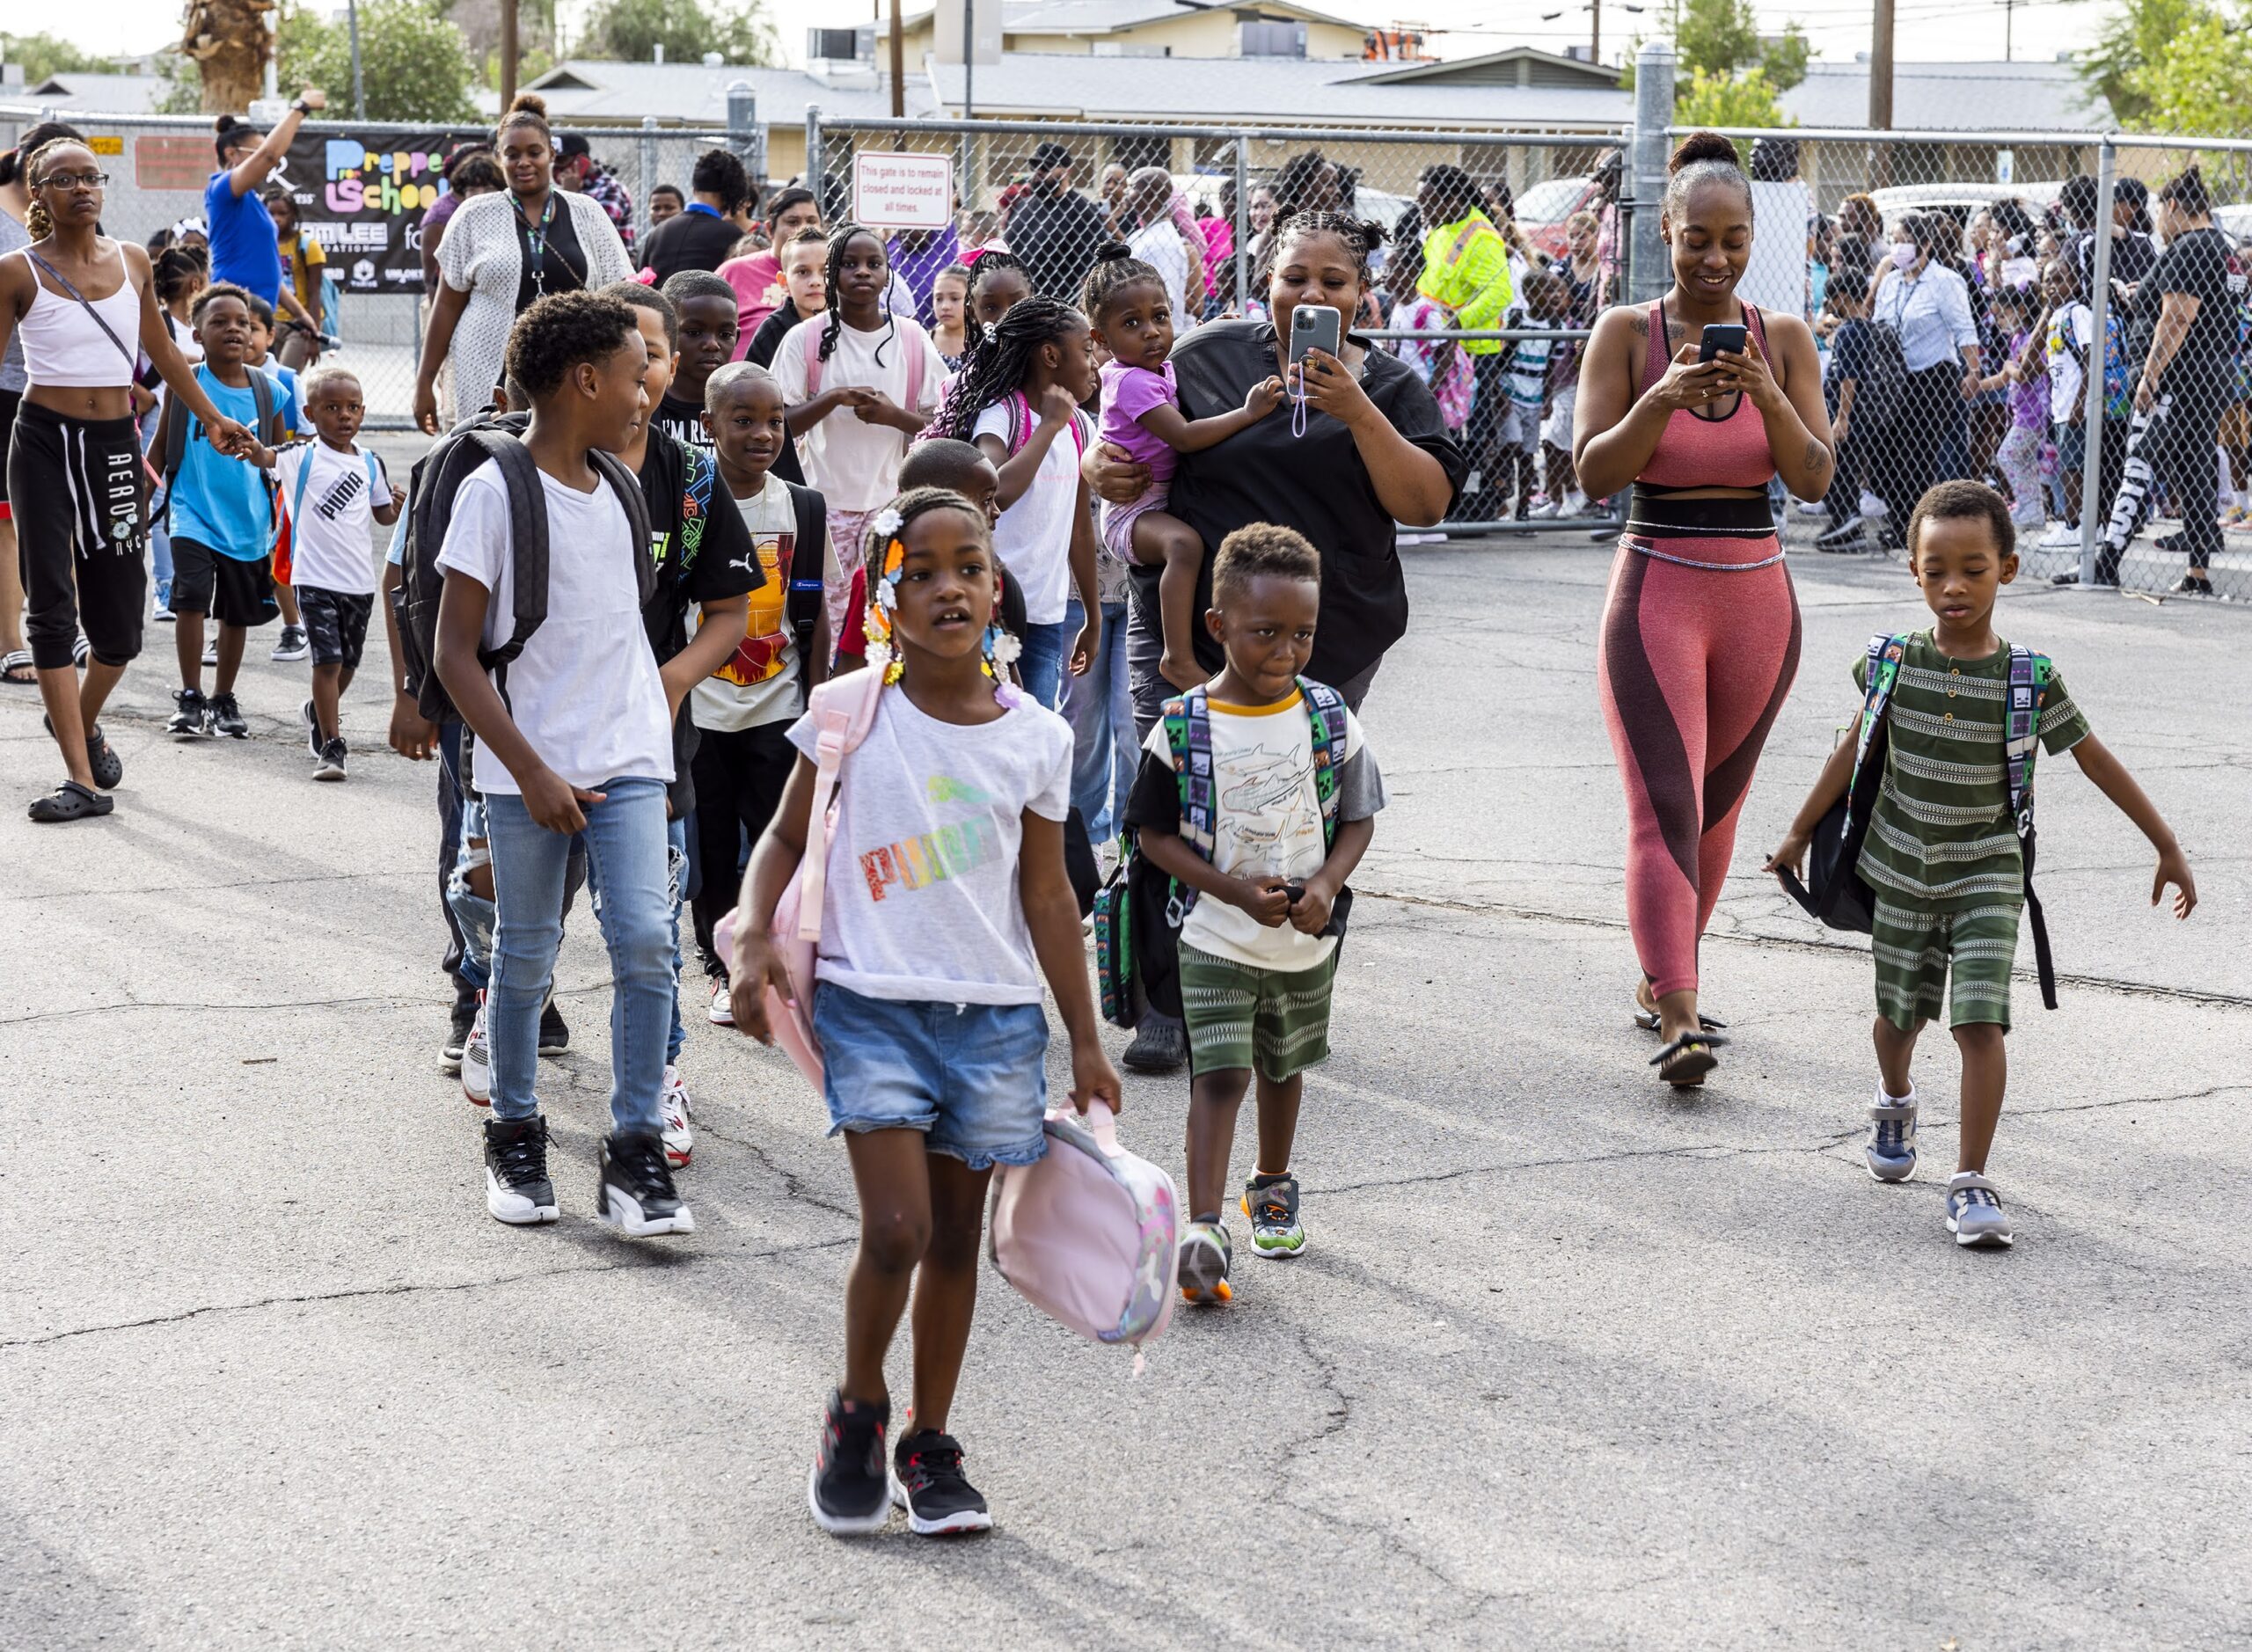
x,y
1273,1208
1204,1257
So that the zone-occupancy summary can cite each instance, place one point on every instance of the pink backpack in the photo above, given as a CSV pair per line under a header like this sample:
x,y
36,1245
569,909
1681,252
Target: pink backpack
x,y
1089,1233
844,709
909,330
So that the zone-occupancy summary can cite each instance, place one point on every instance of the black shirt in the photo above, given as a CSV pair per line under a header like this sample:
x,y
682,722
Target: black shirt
x,y
682,420
2201,264
2133,256
563,268
704,554
1316,484
1056,233
698,238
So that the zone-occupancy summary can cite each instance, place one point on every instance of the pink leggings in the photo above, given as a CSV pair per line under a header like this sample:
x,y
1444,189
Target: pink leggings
x,y
1694,664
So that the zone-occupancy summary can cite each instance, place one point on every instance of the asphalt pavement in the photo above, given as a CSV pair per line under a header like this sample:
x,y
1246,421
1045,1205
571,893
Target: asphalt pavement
x,y
1571,1362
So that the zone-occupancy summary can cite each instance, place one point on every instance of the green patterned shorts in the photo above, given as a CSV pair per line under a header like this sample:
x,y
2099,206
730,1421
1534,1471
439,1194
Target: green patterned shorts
x,y
1915,951
1241,1017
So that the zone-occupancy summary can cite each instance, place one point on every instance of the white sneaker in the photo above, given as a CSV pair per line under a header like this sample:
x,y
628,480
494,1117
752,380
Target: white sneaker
x,y
211,651
722,1013
1545,510
1873,507
1811,508
679,1140
1891,1150
2062,536
1574,504
476,1060
1974,1212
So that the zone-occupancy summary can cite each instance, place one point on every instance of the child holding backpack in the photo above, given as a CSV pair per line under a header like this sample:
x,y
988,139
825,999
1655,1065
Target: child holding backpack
x,y
943,904
1258,795
1947,854
1018,398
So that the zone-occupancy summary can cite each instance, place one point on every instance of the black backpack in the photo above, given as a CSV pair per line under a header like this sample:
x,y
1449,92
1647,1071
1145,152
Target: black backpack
x,y
265,397
808,557
435,480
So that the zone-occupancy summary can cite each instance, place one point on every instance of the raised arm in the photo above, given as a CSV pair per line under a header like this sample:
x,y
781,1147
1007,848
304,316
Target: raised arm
x,y
252,172
1615,429
1788,392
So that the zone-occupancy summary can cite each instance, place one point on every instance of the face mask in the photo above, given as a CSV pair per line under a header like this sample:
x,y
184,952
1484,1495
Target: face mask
x,y
1903,254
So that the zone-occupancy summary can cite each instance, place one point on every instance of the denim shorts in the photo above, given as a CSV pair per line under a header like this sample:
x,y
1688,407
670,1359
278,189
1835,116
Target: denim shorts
x,y
971,1076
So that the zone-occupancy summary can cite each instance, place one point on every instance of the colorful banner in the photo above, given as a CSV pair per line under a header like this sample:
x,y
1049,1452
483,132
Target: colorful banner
x,y
364,204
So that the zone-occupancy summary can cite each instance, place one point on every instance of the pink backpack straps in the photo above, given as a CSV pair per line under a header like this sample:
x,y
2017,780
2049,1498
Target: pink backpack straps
x,y
844,709
917,347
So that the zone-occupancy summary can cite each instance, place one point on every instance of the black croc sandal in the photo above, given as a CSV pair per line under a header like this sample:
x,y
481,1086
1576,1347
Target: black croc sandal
x,y
70,802
101,756
1684,1062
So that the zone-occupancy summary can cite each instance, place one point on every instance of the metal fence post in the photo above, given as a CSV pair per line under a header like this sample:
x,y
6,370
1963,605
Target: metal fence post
x,y
2093,505
814,180
1242,222
1646,276
648,159
744,136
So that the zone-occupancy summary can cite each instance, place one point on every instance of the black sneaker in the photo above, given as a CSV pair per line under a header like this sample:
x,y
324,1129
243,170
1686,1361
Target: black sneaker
x,y
227,718
928,1483
850,1491
2188,585
554,1037
516,1187
292,646
634,1193
191,718
332,760
464,1017
312,730
1161,1045
1847,536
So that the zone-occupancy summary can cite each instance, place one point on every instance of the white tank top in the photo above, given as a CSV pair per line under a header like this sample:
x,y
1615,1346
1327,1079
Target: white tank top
x,y
63,346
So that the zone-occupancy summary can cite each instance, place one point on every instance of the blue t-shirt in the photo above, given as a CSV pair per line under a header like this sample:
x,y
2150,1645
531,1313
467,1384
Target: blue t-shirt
x,y
217,501
244,248
292,414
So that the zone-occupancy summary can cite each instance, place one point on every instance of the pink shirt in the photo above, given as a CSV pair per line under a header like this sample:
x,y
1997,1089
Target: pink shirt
x,y
751,277
1128,392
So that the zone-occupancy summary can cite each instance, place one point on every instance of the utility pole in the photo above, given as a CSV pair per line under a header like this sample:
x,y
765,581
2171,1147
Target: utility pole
x,y
359,80
508,53
898,66
1595,33
2009,21
1880,68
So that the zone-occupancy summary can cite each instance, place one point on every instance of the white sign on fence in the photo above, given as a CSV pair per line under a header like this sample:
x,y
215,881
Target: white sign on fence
x,y
895,190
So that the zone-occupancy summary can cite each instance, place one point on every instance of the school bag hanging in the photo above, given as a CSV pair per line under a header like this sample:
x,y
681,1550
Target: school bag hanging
x,y
1835,893
1088,1233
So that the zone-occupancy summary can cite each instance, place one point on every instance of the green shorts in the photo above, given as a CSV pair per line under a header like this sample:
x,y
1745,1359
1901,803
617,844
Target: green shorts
x,y
1917,950
1242,1017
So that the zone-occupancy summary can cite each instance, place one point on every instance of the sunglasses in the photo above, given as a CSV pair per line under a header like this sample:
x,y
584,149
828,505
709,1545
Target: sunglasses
x,y
71,180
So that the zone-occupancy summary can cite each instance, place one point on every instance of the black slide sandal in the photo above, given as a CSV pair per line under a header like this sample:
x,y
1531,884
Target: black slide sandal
x,y
101,756
1684,1062
70,802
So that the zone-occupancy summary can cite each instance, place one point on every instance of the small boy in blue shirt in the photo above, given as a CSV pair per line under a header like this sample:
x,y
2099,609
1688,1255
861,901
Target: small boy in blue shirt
x,y
222,523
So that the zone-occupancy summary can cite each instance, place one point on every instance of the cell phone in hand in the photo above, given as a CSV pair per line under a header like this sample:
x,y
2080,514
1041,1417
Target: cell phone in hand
x,y
1317,327
1721,336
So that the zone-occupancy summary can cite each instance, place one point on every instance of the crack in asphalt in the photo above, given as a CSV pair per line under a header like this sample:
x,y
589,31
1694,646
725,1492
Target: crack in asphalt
x,y
1699,1149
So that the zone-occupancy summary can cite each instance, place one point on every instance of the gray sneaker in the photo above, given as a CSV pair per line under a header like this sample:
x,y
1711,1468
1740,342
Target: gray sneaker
x,y
1974,1212
1891,1147
1204,1265
1276,1230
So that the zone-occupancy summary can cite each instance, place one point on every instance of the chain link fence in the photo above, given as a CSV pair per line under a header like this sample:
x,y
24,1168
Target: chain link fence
x,y
2061,315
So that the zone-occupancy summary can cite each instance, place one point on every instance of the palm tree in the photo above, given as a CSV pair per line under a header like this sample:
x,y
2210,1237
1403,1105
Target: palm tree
x,y
230,41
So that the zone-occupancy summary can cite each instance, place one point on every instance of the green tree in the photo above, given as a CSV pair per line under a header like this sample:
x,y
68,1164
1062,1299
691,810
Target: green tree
x,y
630,30
2137,36
1718,38
1748,99
2200,82
414,62
46,54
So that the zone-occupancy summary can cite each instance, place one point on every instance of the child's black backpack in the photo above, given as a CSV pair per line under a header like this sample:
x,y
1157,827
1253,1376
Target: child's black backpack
x,y
808,557
437,479
265,396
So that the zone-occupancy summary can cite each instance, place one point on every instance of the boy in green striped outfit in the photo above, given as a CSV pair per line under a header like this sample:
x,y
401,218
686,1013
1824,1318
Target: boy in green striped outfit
x,y
1941,855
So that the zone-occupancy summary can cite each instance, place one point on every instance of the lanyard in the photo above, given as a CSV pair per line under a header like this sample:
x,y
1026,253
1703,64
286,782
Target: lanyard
x,y
535,239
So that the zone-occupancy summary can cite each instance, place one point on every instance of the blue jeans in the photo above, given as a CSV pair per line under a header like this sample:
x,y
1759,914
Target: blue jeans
x,y
1040,665
1100,712
971,1076
626,838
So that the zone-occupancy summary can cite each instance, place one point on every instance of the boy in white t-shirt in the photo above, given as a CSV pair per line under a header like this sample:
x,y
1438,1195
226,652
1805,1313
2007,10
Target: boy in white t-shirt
x,y
330,490
849,377
580,746
1281,812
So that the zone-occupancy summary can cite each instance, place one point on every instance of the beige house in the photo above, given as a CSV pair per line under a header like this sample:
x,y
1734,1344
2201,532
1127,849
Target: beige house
x,y
1152,28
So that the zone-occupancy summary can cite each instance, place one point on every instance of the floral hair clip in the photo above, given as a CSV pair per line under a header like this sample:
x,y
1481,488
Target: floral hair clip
x,y
883,593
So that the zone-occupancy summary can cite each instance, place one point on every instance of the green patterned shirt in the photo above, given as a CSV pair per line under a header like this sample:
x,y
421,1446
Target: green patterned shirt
x,y
1942,838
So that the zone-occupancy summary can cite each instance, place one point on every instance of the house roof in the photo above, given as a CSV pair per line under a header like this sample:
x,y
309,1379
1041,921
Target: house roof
x,y
2037,97
104,94
1108,17
1496,69
696,94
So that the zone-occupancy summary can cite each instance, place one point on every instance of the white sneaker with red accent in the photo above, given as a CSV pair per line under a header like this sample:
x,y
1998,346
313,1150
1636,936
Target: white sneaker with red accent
x,y
476,1060
723,1005
680,1141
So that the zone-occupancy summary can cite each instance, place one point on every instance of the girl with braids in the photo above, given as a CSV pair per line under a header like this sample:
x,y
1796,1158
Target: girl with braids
x,y
945,903
82,303
858,381
997,281
1016,399
1131,307
1700,632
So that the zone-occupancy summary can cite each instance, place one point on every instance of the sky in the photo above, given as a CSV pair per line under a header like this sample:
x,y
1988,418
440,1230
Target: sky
x,y
1956,30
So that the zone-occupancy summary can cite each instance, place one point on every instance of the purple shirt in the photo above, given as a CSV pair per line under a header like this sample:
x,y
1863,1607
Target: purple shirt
x,y
1128,392
919,266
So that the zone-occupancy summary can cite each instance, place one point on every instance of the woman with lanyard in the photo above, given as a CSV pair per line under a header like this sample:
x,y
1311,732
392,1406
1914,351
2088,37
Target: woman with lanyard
x,y
1927,304
502,253
86,309
1358,448
1700,631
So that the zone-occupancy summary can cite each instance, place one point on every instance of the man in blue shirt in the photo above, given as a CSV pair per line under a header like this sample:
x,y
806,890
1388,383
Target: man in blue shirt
x,y
244,249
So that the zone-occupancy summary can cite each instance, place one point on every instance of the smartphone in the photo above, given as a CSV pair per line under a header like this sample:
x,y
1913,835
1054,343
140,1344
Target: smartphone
x,y
1719,337
1319,327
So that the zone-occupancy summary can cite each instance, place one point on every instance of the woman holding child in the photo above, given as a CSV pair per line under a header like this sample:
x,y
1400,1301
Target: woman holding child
x,y
1700,632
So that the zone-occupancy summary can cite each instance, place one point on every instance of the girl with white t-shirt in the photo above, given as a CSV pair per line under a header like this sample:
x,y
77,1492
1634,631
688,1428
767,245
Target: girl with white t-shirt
x,y
1019,400
945,906
860,382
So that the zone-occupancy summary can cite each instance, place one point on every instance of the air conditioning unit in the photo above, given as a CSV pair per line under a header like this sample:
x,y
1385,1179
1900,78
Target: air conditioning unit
x,y
842,46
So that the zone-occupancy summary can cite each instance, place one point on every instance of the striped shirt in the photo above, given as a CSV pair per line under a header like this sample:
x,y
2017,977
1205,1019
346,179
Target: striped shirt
x,y
1942,838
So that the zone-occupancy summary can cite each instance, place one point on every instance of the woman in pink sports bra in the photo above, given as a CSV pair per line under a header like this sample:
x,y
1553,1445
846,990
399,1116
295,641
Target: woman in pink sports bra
x,y
1701,632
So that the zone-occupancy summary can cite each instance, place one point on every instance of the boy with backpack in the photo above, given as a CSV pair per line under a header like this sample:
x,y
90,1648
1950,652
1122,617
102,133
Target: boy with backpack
x,y
534,633
1257,795
1946,848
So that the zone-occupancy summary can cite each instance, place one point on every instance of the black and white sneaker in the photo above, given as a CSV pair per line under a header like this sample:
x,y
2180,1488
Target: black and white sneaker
x,y
464,1017
849,1490
516,1187
227,718
1847,536
292,646
635,1193
312,730
191,718
332,754
554,1036
928,1483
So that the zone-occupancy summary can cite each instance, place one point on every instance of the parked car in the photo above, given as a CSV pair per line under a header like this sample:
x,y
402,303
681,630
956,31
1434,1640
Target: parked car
x,y
1958,201
1544,207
